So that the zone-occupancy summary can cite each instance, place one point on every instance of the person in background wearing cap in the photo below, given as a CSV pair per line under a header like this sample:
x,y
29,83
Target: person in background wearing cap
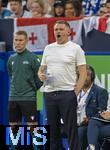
x,y
58,8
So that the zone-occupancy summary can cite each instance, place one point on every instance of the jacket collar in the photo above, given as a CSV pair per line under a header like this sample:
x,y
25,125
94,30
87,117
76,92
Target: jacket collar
x,y
90,93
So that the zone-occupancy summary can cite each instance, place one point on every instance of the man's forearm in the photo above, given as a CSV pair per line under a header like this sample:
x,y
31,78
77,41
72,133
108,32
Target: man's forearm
x,y
80,83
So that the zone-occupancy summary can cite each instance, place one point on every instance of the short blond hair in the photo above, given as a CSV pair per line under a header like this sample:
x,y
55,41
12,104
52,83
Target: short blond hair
x,y
63,22
22,32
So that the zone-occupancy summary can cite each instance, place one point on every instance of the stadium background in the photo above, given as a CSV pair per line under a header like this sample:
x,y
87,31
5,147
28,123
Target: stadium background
x,y
96,45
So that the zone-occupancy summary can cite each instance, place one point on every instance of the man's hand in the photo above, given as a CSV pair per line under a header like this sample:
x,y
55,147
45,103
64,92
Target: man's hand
x,y
105,115
42,76
82,77
42,73
85,121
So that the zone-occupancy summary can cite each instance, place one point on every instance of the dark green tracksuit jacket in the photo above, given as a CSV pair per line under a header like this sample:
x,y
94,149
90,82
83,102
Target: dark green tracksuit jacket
x,y
24,82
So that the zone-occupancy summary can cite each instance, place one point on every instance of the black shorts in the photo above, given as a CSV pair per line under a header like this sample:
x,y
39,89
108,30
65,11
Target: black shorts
x,y
19,109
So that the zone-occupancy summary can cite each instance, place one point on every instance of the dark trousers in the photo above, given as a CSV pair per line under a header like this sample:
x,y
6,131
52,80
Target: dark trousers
x,y
62,104
82,135
97,130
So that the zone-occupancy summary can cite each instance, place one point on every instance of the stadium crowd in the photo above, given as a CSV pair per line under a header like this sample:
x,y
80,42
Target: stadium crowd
x,y
53,8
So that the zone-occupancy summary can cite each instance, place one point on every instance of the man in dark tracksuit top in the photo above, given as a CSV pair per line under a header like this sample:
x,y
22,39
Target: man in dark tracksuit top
x,y
24,82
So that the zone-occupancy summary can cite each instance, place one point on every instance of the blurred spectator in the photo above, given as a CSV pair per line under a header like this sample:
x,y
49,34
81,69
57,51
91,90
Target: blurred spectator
x,y
27,5
108,6
91,7
37,9
4,3
102,11
17,9
3,11
49,6
73,8
59,8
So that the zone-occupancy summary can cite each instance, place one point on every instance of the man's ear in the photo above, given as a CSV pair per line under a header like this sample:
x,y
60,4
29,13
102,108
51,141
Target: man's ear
x,y
69,32
27,40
